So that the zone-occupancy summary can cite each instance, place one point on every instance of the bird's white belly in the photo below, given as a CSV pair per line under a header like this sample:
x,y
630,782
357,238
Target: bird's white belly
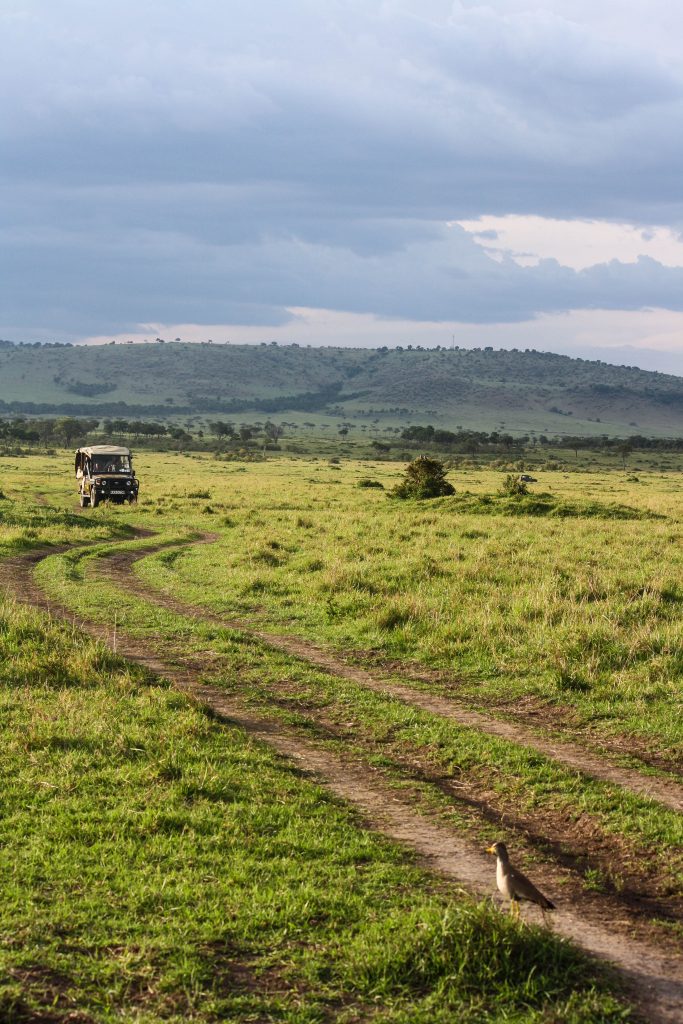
x,y
503,881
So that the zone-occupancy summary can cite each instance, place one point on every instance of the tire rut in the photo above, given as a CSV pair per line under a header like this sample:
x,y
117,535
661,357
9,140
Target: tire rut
x,y
654,977
668,793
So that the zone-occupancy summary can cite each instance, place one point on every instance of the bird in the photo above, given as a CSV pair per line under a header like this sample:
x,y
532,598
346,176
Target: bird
x,y
514,885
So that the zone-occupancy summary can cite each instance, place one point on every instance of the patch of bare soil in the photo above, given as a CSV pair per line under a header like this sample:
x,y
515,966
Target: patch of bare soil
x,y
598,923
51,989
667,792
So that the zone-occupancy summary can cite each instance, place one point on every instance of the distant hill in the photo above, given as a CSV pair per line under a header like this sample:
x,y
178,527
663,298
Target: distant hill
x,y
472,388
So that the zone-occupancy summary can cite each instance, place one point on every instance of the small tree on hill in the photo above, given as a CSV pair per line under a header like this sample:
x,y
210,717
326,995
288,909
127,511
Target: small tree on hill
x,y
425,478
272,431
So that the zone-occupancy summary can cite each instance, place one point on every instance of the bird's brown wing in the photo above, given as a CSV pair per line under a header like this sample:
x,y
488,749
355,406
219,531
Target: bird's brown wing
x,y
526,890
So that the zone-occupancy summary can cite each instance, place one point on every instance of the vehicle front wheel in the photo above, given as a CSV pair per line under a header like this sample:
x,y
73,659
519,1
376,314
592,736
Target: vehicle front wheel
x,y
94,499
82,499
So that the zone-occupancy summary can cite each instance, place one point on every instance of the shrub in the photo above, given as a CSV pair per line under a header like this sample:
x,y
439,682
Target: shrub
x,y
512,486
425,478
367,482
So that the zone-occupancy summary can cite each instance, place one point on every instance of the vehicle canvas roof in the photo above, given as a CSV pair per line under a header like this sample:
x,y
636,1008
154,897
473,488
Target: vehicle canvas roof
x,y
104,449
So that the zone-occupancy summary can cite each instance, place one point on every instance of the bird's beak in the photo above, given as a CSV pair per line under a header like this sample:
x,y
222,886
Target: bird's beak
x,y
490,849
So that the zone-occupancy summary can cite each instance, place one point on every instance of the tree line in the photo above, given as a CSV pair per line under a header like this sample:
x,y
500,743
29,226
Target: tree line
x,y
67,430
481,440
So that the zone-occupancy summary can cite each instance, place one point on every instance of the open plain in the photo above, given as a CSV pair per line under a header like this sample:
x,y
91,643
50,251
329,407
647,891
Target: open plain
x,y
261,727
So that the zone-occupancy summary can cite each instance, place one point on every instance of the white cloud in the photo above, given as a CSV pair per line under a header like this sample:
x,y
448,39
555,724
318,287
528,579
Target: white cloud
x,y
574,243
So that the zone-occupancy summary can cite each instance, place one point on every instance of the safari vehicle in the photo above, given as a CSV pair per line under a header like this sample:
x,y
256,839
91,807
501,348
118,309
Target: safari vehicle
x,y
104,473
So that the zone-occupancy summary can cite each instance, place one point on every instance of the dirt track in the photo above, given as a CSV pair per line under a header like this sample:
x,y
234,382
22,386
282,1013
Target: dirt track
x,y
668,792
597,924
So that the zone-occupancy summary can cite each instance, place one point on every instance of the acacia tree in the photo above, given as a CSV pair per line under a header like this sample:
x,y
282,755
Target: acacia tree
x,y
67,428
625,450
273,431
222,429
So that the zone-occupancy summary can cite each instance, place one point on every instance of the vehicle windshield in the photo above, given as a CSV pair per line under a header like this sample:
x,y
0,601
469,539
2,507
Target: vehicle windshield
x,y
111,464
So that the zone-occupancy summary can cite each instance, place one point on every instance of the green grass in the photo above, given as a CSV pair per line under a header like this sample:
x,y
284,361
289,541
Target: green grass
x,y
158,865
383,730
542,505
578,614
580,611
24,526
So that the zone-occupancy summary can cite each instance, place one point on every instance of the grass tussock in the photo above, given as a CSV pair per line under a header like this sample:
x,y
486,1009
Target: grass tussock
x,y
470,960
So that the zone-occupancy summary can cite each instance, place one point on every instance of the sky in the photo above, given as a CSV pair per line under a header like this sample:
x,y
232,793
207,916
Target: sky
x,y
354,172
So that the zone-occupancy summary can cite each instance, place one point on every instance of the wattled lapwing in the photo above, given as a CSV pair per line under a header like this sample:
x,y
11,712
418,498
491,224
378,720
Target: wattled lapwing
x,y
513,884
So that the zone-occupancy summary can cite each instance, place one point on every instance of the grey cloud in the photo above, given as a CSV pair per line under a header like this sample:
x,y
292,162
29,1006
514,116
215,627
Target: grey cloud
x,y
553,64
212,163
340,96
157,277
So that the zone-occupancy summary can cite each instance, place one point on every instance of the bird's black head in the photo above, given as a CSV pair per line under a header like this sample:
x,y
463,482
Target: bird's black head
x,y
499,850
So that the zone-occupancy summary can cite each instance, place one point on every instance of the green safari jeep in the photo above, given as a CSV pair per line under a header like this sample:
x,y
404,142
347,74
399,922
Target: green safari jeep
x,y
104,472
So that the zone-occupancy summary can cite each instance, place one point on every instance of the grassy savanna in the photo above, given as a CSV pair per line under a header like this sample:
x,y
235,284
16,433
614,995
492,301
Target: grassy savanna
x,y
517,610
580,610
29,518
633,837
157,865
301,548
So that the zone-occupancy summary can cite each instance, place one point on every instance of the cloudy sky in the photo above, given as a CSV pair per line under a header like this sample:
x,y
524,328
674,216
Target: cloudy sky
x,y
345,171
